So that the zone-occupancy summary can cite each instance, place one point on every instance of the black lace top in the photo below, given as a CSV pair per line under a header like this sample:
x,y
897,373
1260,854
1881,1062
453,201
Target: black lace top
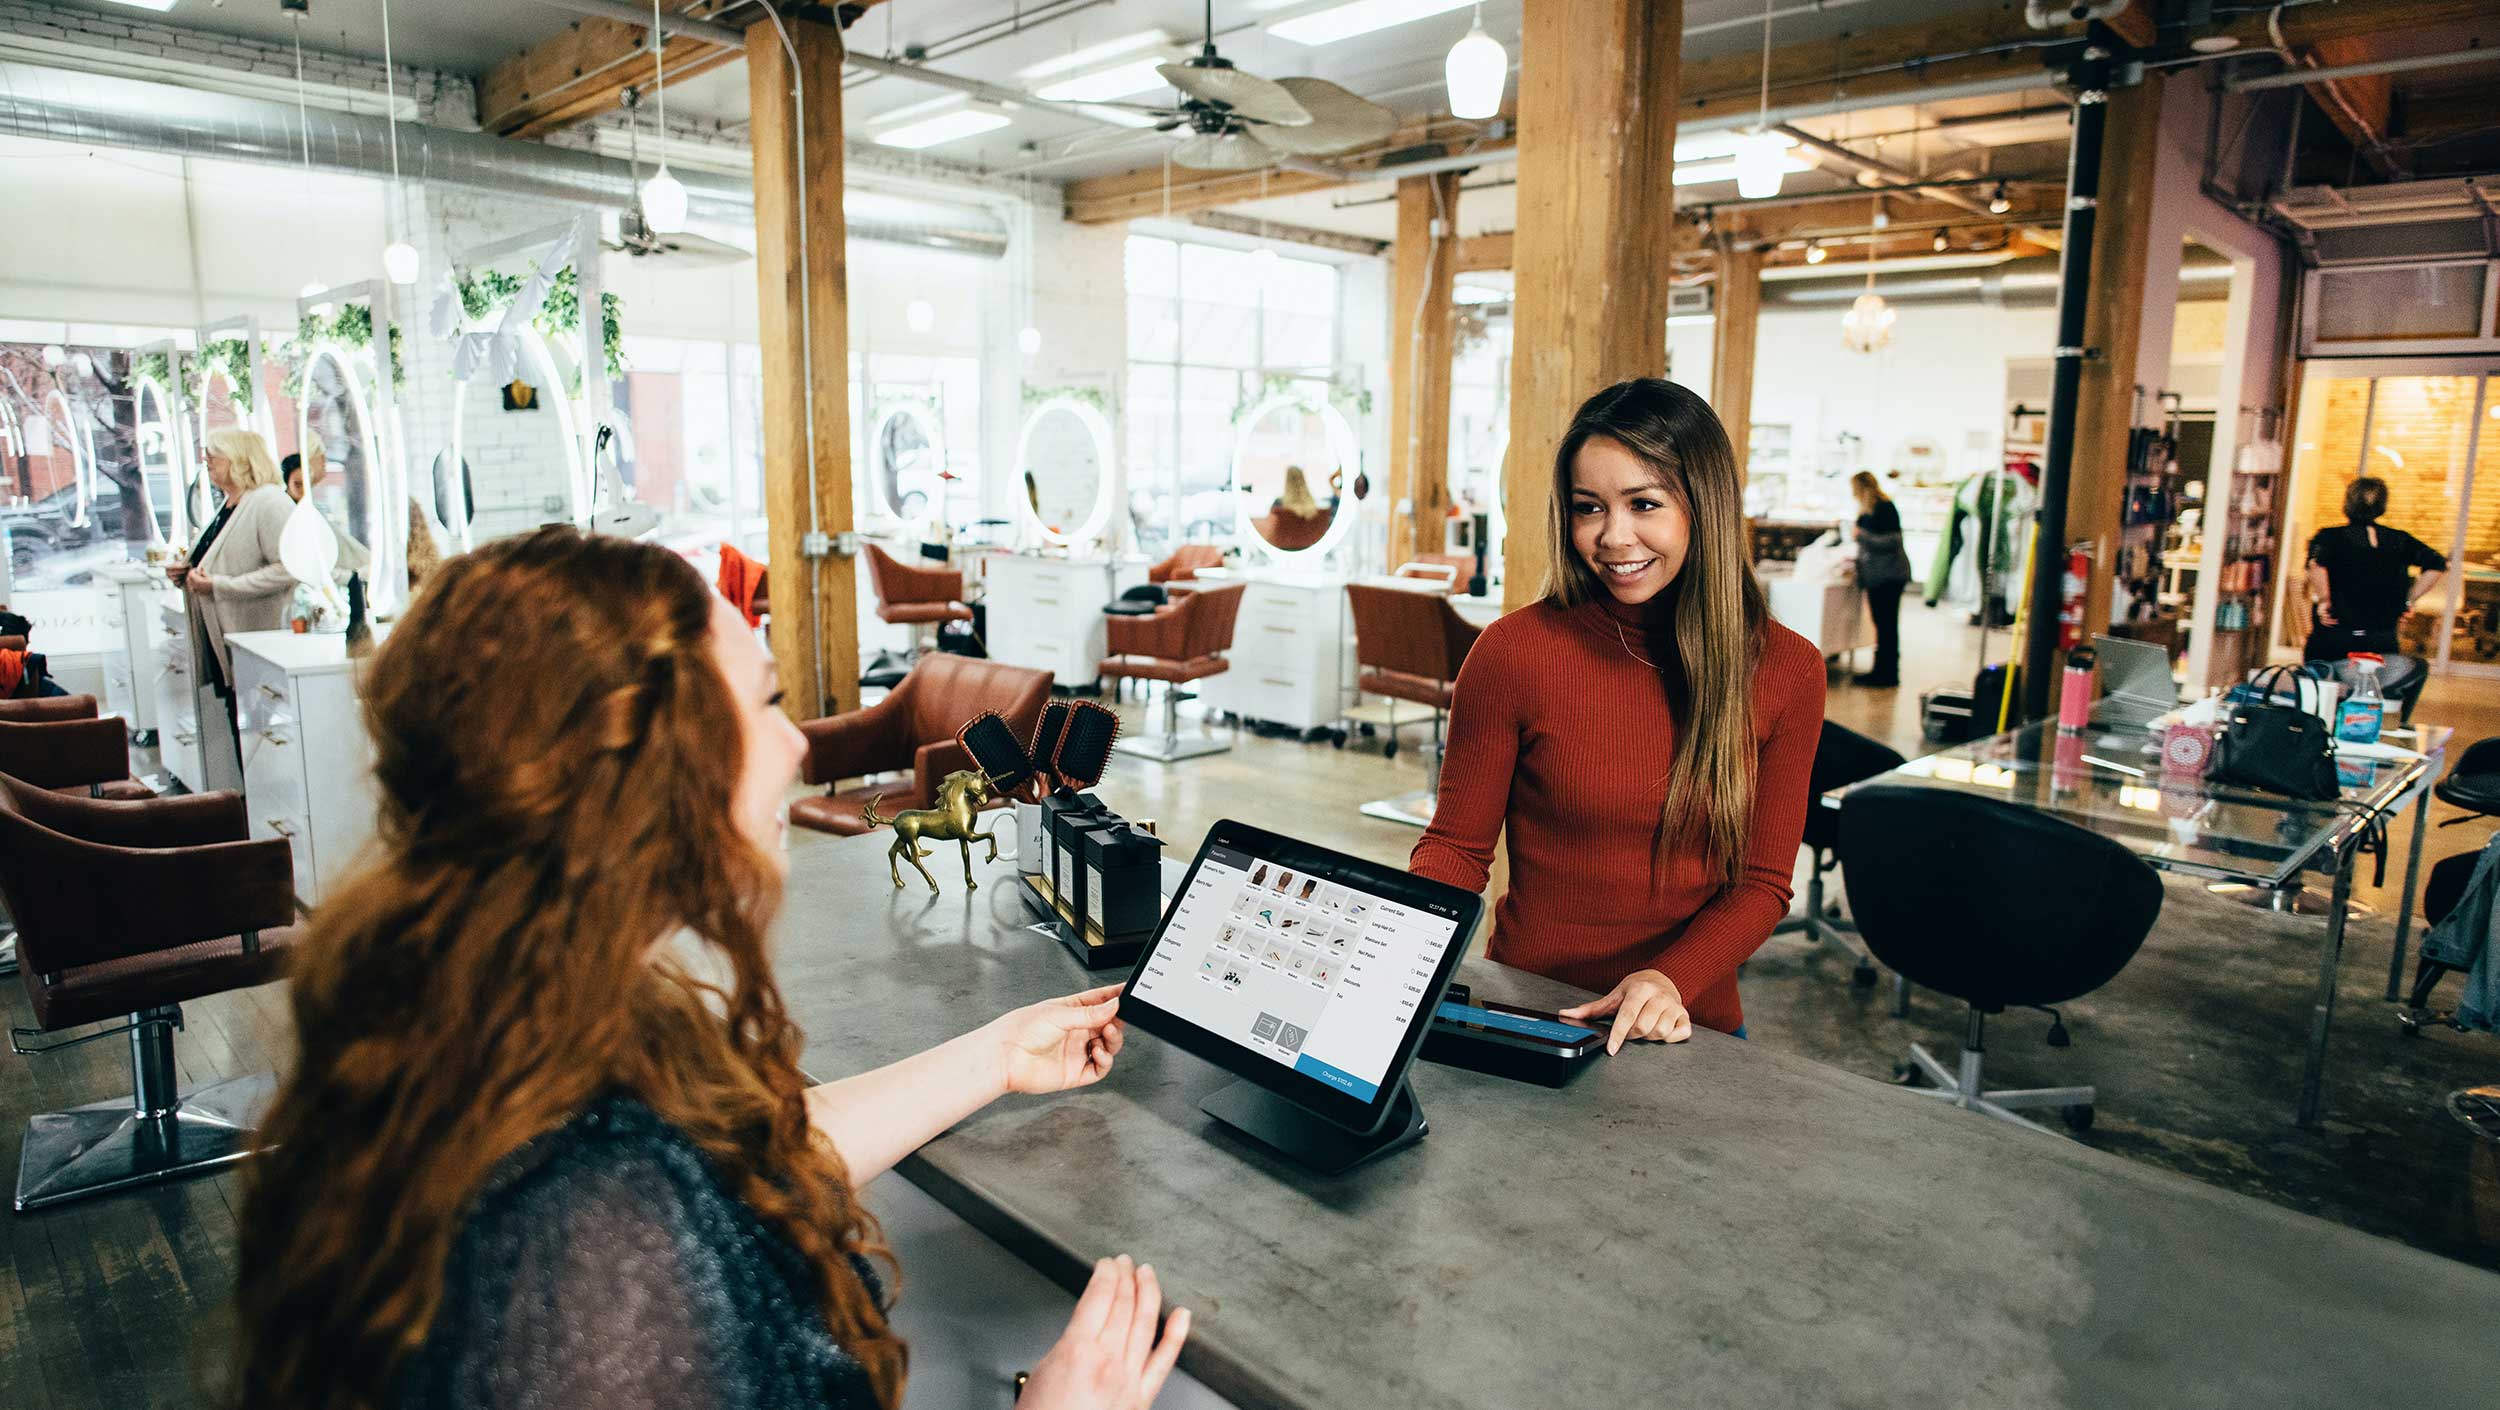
x,y
605,1266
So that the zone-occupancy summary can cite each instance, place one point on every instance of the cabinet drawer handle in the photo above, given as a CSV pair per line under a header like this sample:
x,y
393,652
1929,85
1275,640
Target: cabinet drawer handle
x,y
1273,627
1271,680
175,668
273,692
1043,601
185,737
278,826
273,737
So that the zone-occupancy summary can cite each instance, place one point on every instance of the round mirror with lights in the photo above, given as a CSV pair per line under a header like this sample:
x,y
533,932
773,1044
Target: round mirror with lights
x,y
74,432
532,420
1295,465
159,444
1063,470
333,412
907,462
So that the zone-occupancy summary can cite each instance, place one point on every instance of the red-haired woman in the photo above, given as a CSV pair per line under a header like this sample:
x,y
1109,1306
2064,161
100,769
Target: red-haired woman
x,y
546,1142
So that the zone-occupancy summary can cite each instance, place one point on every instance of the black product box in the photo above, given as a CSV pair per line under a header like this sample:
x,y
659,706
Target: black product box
x,y
1084,893
1122,889
1062,814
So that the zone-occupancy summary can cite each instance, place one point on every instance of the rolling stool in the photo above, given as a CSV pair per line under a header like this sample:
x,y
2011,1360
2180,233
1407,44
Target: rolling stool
x,y
1408,646
1998,906
1842,757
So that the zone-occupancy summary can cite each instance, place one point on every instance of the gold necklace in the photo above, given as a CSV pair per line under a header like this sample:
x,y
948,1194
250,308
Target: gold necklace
x,y
1627,644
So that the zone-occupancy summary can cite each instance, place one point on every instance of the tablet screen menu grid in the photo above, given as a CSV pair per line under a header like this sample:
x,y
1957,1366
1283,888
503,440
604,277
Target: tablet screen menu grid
x,y
1319,976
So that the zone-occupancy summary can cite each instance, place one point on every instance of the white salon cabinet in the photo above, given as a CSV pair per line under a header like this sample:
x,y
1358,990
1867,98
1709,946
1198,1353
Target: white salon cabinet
x,y
307,760
133,594
1293,650
1046,613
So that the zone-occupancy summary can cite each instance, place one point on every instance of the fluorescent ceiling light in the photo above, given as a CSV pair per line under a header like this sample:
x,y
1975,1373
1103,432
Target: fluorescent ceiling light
x,y
1361,17
1704,173
160,6
1103,85
1709,146
1102,53
926,107
946,127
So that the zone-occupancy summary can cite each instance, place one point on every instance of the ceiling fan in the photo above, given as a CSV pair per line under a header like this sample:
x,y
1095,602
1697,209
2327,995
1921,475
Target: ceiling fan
x,y
634,235
1238,121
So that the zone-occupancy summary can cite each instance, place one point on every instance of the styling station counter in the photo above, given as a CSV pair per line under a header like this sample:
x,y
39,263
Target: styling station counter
x,y
135,596
1293,649
1712,1223
307,760
1046,613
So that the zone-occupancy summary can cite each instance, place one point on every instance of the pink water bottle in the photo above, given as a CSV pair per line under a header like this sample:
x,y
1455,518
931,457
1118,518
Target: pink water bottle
x,y
2074,699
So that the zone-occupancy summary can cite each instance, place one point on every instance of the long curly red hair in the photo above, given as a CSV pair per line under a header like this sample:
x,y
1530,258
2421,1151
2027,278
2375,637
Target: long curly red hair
x,y
556,754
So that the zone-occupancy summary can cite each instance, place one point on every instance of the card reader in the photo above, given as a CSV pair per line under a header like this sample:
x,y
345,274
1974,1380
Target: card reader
x,y
1504,1041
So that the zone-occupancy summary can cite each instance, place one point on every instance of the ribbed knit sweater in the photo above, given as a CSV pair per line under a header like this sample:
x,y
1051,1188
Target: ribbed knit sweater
x,y
1560,735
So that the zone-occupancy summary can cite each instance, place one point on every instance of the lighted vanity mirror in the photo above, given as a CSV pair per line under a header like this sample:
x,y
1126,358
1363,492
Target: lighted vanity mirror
x,y
1295,469
907,454
160,455
219,407
519,416
335,412
1063,471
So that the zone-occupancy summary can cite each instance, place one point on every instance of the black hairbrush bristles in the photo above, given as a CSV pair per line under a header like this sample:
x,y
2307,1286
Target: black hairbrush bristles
x,y
1000,755
1085,751
1046,736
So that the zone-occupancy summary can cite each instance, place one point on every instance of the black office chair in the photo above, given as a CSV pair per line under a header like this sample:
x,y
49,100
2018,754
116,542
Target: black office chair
x,y
1842,757
2473,782
1998,906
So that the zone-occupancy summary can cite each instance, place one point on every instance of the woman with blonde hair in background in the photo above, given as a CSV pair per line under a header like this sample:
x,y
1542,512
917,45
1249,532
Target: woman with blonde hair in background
x,y
1643,735
1883,572
546,1142
231,578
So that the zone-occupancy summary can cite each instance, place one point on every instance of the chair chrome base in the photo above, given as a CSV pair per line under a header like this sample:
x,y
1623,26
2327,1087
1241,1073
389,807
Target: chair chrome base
x,y
2307,901
110,1145
1170,747
1413,809
2479,1109
8,955
1964,1089
1827,932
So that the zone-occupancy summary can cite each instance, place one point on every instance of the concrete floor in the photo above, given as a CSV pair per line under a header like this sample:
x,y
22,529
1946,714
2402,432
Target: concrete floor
x,y
2196,1047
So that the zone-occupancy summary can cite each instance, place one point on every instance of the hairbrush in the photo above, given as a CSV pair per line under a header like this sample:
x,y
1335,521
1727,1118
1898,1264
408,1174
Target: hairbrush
x,y
1052,728
994,747
1085,750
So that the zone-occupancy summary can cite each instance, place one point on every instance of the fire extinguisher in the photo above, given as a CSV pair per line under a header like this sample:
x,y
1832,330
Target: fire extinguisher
x,y
2070,599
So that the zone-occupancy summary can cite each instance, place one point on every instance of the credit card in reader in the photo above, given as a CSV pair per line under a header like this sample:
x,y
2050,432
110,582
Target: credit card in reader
x,y
1506,1041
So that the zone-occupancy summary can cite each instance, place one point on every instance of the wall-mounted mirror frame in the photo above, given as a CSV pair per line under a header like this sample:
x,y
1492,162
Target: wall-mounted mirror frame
x,y
371,396
166,426
885,492
1342,446
1098,515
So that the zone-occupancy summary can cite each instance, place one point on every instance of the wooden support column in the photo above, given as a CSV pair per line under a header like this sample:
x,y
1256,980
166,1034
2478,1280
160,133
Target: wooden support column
x,y
1736,312
806,346
1420,351
1598,84
2105,406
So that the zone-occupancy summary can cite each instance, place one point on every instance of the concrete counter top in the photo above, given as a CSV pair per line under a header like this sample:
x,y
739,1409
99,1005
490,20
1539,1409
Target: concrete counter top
x,y
1712,1223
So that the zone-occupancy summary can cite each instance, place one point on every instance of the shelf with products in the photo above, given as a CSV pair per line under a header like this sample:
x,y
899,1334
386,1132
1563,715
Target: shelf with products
x,y
2250,543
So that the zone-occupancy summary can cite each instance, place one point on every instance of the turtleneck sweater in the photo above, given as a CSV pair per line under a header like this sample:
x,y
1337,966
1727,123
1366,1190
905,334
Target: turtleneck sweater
x,y
1561,734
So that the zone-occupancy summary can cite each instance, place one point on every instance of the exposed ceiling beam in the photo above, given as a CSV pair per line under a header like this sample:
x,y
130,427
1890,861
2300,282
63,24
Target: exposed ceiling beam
x,y
2360,105
1232,224
1479,254
581,73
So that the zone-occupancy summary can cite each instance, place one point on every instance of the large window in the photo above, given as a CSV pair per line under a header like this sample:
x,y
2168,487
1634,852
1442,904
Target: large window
x,y
697,452
1208,326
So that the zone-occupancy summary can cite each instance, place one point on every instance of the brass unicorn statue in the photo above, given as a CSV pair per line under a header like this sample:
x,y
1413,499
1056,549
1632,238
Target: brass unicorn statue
x,y
952,820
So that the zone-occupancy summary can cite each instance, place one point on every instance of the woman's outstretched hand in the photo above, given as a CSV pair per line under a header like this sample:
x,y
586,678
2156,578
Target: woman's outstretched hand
x,y
1059,1043
1646,1007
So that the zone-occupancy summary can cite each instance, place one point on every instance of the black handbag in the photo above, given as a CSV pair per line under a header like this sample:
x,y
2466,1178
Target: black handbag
x,y
2278,748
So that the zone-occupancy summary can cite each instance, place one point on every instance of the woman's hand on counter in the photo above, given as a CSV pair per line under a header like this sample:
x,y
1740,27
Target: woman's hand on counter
x,y
1059,1043
1646,1007
1110,1357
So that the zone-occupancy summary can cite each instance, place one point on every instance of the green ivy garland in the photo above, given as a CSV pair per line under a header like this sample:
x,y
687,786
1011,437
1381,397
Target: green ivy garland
x,y
350,326
1091,396
152,367
1347,393
560,316
233,357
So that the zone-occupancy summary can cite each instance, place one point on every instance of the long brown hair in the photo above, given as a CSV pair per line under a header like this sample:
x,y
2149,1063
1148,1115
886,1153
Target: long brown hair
x,y
1867,491
556,754
1714,634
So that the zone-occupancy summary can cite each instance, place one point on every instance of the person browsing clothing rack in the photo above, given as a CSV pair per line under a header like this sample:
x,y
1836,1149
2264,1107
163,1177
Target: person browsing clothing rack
x,y
1643,734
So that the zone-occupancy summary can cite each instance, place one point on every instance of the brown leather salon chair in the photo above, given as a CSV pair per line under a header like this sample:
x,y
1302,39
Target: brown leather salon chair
x,y
913,728
1185,562
916,597
1182,641
1409,646
1454,568
58,742
127,910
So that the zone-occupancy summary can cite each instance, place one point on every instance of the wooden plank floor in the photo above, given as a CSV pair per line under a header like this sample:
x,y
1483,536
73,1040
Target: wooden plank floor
x,y
122,1302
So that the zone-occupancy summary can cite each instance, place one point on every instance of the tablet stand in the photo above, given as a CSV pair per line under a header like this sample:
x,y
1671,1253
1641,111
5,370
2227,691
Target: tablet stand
x,y
1307,1138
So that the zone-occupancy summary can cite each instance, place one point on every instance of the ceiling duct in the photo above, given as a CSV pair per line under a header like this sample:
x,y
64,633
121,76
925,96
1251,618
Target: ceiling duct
x,y
102,110
2029,282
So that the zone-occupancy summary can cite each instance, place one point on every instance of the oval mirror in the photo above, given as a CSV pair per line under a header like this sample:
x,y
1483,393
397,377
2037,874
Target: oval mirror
x,y
1063,466
218,408
1294,470
527,425
907,456
333,412
159,445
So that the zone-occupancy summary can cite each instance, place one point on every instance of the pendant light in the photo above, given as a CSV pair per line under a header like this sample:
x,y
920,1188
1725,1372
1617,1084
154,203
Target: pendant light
x,y
663,196
1868,323
1477,70
920,315
1761,154
399,258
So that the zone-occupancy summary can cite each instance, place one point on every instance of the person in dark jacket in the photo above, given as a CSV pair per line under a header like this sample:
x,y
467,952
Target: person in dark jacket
x,y
2364,577
1883,572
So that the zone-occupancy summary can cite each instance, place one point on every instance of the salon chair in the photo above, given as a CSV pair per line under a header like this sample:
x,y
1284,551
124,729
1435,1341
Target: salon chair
x,y
59,742
1185,562
913,728
1842,757
128,910
1998,906
1182,641
2473,784
1455,566
1408,646
912,597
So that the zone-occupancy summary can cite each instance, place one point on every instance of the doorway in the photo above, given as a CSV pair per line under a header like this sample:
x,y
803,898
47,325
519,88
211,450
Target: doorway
x,y
2430,428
